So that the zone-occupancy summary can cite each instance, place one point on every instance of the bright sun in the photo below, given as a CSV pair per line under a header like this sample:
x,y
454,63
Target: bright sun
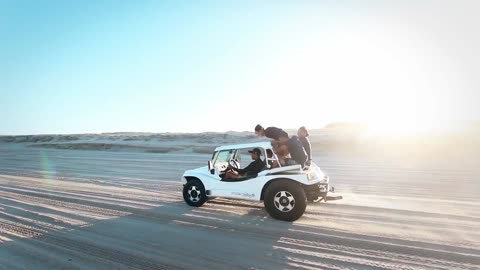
x,y
387,78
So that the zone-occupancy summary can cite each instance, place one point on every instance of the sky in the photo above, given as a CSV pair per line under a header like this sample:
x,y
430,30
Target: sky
x,y
193,66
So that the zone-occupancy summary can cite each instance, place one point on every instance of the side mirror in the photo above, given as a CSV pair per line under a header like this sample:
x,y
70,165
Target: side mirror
x,y
210,167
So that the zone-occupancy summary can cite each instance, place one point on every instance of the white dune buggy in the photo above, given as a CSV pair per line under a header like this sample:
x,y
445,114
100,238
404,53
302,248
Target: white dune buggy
x,y
284,190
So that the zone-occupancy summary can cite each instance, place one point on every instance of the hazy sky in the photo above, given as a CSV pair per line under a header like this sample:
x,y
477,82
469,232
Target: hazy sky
x,y
154,66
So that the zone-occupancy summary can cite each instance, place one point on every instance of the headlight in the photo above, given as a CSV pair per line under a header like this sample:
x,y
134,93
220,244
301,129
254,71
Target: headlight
x,y
311,176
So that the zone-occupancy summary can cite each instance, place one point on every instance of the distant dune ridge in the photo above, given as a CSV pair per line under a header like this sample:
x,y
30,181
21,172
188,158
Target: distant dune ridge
x,y
333,137
137,142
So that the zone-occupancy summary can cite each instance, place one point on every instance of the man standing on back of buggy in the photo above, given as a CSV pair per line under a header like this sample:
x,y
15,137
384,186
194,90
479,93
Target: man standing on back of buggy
x,y
289,149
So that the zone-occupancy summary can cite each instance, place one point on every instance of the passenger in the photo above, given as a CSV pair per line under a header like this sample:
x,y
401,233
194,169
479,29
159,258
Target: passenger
x,y
295,148
290,153
303,137
251,170
274,133
283,155
272,163
284,146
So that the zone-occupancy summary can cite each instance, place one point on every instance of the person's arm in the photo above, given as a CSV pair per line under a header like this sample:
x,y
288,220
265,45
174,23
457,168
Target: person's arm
x,y
259,166
244,170
308,148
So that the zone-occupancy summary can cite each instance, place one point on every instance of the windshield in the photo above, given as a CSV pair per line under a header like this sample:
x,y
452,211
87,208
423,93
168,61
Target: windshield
x,y
223,157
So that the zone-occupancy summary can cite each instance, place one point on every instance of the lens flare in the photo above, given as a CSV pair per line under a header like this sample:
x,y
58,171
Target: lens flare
x,y
47,167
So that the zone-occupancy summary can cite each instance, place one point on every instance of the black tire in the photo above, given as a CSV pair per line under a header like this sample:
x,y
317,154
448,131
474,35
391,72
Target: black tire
x,y
278,200
194,193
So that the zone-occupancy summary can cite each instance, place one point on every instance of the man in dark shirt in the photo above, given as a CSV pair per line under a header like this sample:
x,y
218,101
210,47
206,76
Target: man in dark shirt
x,y
251,170
297,152
275,133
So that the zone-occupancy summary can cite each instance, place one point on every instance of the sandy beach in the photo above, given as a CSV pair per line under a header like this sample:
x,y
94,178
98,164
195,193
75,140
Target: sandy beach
x,y
84,209
106,105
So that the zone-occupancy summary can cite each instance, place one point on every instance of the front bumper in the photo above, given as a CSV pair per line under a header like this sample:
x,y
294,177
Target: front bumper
x,y
317,190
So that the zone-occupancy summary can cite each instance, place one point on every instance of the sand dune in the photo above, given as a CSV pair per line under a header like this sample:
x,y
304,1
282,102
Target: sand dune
x,y
133,142
333,138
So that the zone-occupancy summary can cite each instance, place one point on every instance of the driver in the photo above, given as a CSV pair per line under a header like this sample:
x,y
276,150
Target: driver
x,y
251,170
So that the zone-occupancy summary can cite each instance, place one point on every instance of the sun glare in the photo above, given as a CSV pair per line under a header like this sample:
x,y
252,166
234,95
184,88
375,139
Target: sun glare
x,y
400,127
389,78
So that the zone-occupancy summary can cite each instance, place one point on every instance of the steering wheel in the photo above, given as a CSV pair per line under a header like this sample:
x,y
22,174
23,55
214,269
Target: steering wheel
x,y
234,164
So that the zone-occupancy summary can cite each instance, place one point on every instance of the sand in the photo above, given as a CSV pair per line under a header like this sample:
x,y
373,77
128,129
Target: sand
x,y
81,209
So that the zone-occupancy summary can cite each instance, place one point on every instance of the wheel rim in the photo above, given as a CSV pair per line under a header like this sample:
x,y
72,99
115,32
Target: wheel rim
x,y
284,201
194,194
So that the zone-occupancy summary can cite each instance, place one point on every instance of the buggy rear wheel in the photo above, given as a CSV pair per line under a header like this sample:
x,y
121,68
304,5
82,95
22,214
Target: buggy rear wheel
x,y
194,193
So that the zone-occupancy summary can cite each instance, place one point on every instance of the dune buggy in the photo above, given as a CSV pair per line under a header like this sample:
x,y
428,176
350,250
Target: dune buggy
x,y
284,190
